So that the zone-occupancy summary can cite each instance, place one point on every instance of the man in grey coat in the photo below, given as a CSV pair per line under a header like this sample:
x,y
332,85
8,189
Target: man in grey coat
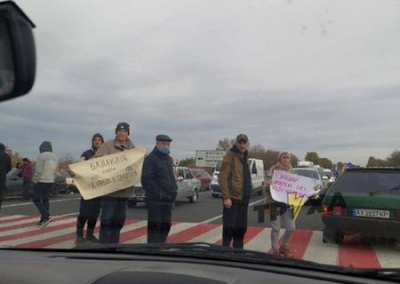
x,y
43,178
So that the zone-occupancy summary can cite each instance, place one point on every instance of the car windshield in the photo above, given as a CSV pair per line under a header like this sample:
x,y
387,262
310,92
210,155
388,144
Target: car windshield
x,y
139,92
367,182
307,173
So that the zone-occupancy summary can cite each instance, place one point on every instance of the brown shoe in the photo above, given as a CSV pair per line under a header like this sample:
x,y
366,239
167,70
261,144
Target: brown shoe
x,y
286,252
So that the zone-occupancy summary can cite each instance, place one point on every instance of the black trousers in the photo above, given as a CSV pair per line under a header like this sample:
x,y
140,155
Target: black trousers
x,y
25,189
159,214
3,191
234,224
89,211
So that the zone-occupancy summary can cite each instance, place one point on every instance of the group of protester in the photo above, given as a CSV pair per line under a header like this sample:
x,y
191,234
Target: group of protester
x,y
159,182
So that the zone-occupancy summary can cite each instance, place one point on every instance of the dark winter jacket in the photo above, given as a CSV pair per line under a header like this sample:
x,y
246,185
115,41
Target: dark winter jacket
x,y
158,178
88,154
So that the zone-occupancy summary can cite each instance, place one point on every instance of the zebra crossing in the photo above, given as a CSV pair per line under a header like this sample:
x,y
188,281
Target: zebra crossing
x,y
22,231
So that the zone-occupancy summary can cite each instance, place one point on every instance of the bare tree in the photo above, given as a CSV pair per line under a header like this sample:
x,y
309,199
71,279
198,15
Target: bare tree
x,y
225,144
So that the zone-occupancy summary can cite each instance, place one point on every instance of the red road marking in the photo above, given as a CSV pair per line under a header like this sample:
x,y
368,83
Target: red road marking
x,y
251,233
357,256
31,224
190,233
133,234
18,219
298,242
59,239
38,231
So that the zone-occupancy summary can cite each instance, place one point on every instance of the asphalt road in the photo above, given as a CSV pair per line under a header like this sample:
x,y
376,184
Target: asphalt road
x,y
206,209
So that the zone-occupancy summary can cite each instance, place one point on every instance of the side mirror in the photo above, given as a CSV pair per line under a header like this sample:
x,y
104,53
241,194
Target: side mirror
x,y
17,52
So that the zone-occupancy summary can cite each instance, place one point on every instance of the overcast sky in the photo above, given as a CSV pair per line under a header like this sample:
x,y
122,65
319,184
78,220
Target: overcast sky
x,y
302,76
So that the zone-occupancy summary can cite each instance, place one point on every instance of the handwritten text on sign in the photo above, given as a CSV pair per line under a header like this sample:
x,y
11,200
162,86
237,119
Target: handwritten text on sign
x,y
108,174
284,183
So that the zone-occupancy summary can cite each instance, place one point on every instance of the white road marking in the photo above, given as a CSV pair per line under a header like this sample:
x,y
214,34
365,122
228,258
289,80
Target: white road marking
x,y
220,216
31,203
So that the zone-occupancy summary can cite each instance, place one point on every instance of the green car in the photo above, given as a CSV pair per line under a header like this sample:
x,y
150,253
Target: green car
x,y
365,201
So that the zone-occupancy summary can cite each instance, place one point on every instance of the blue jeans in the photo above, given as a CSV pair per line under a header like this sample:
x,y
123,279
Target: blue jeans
x,y
113,215
281,214
41,195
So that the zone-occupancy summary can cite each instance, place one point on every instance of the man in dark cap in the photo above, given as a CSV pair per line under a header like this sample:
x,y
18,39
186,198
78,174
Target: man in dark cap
x,y
235,182
89,210
158,180
45,174
114,205
5,167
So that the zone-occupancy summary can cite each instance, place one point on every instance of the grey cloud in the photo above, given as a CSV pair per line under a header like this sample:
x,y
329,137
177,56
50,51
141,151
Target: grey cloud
x,y
202,73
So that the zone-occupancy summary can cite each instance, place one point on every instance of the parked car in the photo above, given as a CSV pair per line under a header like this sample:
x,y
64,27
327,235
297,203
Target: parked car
x,y
329,174
257,178
314,173
15,181
365,201
204,178
188,188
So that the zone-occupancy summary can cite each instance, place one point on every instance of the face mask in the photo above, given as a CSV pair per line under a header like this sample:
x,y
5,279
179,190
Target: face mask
x,y
164,150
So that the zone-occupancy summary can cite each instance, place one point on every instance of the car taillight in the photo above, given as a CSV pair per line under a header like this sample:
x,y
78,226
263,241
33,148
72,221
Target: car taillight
x,y
324,209
339,211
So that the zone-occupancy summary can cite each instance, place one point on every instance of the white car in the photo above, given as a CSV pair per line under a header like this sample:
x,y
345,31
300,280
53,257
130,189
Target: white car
x,y
188,188
329,174
257,178
314,173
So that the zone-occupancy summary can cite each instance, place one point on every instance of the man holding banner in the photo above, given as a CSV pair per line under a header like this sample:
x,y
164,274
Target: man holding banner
x,y
158,180
114,205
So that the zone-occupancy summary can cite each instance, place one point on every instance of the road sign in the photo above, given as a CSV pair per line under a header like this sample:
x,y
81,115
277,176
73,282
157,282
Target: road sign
x,y
209,158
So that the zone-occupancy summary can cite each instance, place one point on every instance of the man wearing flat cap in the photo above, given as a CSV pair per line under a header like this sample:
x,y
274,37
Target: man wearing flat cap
x,y
235,183
158,180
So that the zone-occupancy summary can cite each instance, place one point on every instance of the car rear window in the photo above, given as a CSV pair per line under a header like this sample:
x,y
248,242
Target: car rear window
x,y
359,182
307,173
